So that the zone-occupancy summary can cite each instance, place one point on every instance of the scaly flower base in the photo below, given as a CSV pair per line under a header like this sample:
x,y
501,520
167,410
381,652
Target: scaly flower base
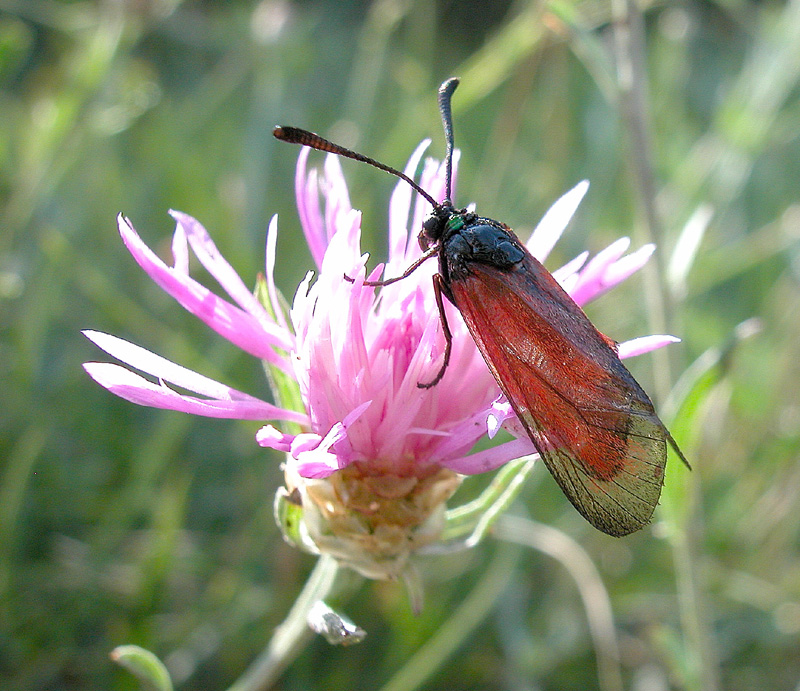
x,y
371,523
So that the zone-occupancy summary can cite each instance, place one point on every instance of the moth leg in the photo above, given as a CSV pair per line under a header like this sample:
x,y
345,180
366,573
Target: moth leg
x,y
438,290
377,284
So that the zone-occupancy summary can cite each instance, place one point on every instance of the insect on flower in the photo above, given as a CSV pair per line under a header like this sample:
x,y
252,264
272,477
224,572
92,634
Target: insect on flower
x,y
593,425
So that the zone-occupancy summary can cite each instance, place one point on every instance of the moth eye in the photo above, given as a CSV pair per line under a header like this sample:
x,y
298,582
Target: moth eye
x,y
431,227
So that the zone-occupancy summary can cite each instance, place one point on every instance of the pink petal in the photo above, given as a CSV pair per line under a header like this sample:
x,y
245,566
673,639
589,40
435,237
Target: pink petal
x,y
163,369
615,273
500,413
226,275
232,323
628,265
461,438
315,466
567,275
644,344
272,438
555,220
160,367
180,250
337,199
354,414
319,458
399,207
590,280
307,195
307,441
130,386
320,462
269,263
490,459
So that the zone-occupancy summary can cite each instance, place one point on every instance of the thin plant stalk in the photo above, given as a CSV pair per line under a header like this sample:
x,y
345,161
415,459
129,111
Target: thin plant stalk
x,y
630,50
596,602
293,634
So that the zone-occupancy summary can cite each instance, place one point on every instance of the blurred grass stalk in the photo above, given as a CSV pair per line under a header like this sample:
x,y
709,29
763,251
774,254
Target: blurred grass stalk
x,y
697,662
59,125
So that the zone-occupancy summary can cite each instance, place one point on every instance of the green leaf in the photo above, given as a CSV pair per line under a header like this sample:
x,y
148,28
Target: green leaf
x,y
285,389
144,665
686,411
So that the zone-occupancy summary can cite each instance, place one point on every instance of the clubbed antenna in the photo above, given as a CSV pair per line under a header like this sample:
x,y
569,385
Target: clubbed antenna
x,y
295,135
445,94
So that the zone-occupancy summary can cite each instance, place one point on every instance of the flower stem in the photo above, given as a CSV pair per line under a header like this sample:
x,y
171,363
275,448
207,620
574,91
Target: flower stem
x,y
629,44
478,516
630,50
293,634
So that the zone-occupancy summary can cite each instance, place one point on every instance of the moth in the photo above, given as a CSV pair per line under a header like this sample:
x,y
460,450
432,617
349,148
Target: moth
x,y
593,425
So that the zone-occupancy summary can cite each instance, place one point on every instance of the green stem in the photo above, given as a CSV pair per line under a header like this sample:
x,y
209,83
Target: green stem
x,y
477,517
629,43
631,70
703,669
293,634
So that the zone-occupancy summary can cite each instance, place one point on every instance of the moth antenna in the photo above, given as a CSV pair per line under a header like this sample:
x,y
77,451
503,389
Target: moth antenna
x,y
295,135
445,95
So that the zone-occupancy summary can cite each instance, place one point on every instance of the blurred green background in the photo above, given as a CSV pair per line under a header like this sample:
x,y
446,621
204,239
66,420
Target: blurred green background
x,y
127,525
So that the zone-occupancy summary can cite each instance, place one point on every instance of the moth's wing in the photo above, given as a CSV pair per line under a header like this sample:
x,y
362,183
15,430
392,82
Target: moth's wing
x,y
593,425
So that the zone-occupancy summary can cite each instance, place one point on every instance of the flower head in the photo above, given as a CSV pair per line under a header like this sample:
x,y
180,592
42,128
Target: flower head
x,y
371,457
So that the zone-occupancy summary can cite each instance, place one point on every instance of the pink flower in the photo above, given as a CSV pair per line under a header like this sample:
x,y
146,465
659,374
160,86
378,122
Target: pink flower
x,y
354,353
